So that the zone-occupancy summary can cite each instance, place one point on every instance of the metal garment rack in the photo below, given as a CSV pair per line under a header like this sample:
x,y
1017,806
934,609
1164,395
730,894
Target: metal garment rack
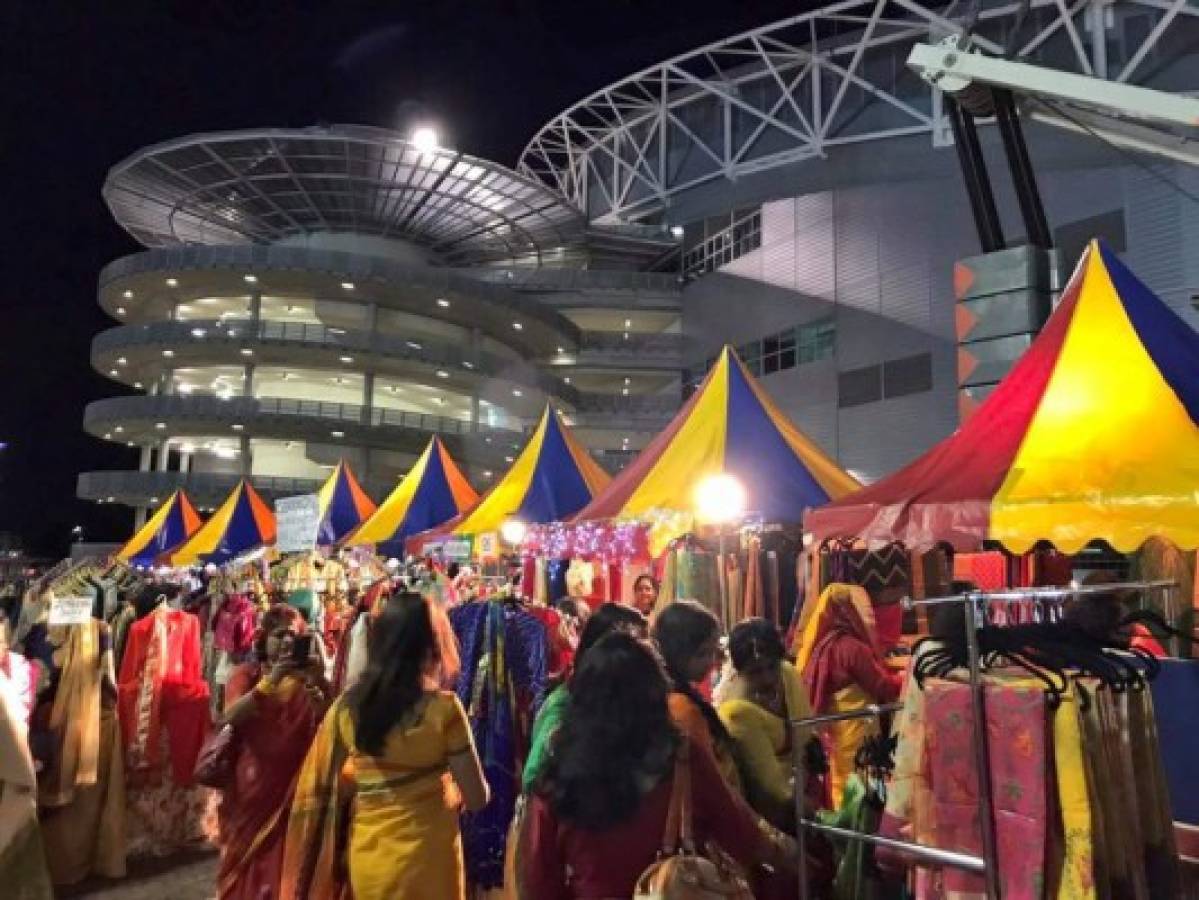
x,y
988,864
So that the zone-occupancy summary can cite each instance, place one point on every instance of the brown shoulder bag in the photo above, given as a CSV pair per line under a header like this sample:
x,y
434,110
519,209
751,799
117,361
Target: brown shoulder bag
x,y
681,872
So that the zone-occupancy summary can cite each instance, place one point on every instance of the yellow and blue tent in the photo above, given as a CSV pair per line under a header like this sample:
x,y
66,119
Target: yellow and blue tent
x,y
433,492
343,505
729,426
1093,435
173,523
553,478
242,523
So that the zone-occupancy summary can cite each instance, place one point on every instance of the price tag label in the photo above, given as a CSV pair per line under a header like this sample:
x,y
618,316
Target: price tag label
x,y
70,610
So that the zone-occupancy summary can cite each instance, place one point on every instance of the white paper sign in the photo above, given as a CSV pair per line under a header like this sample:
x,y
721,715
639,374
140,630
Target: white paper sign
x,y
457,549
70,610
297,520
488,544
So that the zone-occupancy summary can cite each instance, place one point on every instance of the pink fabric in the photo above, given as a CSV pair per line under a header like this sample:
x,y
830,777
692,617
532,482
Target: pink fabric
x,y
233,629
1016,731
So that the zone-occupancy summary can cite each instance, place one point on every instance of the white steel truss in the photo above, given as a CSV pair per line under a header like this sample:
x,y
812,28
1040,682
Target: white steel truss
x,y
793,89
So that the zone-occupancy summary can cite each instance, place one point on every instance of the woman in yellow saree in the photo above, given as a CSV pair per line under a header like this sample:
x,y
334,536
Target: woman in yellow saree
x,y
841,663
377,801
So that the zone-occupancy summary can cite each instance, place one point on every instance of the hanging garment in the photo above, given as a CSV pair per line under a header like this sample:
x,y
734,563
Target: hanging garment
x,y
860,809
1075,879
81,796
1016,729
165,816
988,571
161,687
504,656
22,860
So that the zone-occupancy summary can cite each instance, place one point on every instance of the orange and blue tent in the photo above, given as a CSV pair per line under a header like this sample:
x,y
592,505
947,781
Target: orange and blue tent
x,y
242,523
552,479
1093,435
433,492
729,426
343,505
173,523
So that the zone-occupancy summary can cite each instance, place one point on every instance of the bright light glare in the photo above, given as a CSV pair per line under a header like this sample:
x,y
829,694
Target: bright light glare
x,y
719,498
424,139
513,532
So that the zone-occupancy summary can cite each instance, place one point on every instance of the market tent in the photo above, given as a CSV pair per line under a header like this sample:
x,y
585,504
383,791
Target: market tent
x,y
432,493
553,478
343,505
1094,434
173,523
243,522
728,426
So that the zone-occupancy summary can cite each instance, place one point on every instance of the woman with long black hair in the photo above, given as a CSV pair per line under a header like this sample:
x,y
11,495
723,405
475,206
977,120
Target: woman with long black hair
x,y
598,813
407,748
608,618
688,638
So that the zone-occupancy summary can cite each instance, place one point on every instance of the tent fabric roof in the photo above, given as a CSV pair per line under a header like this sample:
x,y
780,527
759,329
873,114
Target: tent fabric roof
x,y
173,523
343,505
433,492
1093,435
729,425
243,522
552,479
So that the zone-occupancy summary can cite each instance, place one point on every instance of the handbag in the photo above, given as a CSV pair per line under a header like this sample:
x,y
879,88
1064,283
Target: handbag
x,y
217,760
681,872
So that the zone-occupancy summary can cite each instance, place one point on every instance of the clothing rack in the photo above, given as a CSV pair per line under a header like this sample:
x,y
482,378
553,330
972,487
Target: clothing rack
x,y
988,864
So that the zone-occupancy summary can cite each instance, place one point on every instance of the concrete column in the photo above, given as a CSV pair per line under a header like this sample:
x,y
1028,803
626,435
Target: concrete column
x,y
185,462
368,397
476,345
247,383
475,352
139,518
246,456
372,318
166,382
255,309
146,458
164,457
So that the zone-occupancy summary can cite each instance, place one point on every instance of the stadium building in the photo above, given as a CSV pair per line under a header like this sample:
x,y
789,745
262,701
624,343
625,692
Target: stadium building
x,y
794,190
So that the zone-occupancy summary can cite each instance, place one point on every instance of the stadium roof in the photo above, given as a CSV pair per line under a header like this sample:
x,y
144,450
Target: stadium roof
x,y
264,185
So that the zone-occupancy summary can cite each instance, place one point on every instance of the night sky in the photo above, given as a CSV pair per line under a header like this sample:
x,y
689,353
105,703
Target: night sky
x,y
82,90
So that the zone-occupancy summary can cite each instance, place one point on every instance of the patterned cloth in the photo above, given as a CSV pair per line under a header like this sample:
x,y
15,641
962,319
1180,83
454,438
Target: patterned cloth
x,y
504,654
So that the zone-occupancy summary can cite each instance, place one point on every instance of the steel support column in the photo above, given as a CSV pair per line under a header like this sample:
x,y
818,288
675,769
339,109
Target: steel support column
x,y
974,172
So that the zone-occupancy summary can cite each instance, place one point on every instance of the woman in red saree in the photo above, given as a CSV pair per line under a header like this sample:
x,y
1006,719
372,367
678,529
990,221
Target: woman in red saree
x,y
842,665
275,707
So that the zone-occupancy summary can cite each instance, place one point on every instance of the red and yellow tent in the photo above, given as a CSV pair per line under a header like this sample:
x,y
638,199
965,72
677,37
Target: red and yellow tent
x,y
1093,435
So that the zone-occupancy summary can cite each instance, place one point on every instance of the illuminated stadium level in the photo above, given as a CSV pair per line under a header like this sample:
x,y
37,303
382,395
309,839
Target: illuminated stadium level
x,y
798,88
267,185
